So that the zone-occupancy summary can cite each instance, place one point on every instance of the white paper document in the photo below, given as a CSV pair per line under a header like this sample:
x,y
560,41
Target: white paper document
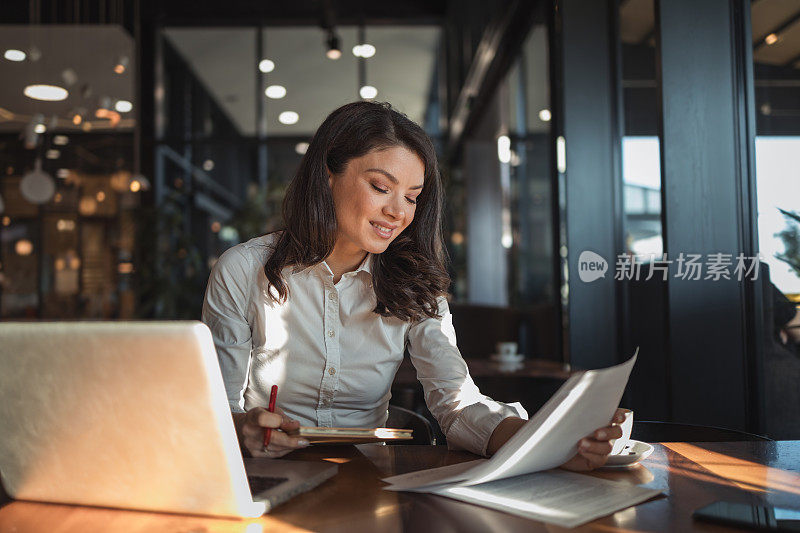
x,y
557,497
586,402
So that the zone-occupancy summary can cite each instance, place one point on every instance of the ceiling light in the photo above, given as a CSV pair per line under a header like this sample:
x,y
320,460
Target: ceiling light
x,y
52,154
771,39
288,117
363,50
40,128
87,206
266,66
23,247
15,55
334,48
208,165
122,64
123,106
37,186
139,183
49,93
275,91
368,92
545,115
301,148
62,173
504,149
60,140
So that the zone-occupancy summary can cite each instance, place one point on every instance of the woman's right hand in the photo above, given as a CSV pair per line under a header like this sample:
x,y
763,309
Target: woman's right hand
x,y
250,427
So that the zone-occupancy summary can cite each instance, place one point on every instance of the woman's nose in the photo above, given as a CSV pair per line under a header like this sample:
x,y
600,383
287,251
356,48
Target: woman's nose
x,y
393,209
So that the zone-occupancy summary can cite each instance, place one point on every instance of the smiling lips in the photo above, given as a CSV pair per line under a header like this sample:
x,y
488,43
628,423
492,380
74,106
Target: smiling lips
x,y
385,232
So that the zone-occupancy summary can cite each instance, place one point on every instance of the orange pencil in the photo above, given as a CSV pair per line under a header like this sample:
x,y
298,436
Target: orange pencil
x,y
273,395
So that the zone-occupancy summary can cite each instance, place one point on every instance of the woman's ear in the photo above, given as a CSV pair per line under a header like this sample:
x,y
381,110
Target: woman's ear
x,y
330,176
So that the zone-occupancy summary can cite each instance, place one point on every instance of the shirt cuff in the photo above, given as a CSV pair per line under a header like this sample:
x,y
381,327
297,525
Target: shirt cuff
x,y
475,424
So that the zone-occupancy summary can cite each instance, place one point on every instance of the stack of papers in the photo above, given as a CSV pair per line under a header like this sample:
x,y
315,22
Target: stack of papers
x,y
514,480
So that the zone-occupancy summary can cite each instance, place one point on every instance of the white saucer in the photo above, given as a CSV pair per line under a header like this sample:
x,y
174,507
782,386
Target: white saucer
x,y
633,452
517,357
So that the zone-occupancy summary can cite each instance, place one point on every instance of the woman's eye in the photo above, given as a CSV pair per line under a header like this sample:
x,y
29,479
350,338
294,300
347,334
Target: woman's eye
x,y
384,191
411,200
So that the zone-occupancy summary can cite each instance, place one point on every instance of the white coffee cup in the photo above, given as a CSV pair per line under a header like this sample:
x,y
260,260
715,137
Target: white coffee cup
x,y
506,349
626,426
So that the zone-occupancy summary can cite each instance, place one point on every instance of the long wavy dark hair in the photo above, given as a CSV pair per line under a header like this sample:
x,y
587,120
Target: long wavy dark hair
x,y
411,274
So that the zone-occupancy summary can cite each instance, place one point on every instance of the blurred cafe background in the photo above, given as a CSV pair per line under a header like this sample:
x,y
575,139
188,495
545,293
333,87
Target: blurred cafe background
x,y
140,139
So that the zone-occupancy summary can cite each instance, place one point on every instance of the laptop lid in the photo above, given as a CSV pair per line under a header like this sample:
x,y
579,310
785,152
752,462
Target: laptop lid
x,y
119,414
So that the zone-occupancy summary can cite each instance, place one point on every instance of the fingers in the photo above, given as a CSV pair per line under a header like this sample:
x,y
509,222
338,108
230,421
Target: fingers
x,y
595,447
619,416
280,443
607,433
593,460
263,418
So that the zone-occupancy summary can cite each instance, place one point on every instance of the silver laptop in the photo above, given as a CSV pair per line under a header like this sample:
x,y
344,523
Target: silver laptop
x,y
130,415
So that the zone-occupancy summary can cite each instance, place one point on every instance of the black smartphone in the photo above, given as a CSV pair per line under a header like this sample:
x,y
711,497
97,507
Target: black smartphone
x,y
765,517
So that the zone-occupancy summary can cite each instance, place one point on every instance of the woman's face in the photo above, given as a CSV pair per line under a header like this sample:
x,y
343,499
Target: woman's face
x,y
375,199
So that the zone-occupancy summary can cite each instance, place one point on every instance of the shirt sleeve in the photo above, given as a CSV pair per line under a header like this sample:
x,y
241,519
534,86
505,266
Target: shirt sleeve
x,y
225,313
466,416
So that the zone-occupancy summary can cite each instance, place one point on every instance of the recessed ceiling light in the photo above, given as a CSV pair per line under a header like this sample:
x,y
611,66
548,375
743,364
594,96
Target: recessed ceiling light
x,y
301,148
363,50
368,91
208,165
53,154
123,106
504,149
275,91
60,140
288,117
266,66
49,93
771,39
545,115
40,128
15,55
333,53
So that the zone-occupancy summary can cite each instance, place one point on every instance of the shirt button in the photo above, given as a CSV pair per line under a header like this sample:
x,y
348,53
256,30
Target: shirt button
x,y
331,371
332,297
330,333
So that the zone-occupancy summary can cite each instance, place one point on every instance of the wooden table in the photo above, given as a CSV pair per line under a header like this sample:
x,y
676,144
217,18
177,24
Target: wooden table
x,y
692,475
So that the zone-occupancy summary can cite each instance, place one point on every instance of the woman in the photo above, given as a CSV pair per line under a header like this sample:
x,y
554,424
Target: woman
x,y
325,308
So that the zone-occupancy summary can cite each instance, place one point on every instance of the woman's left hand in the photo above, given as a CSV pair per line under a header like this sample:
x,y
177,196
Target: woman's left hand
x,y
593,451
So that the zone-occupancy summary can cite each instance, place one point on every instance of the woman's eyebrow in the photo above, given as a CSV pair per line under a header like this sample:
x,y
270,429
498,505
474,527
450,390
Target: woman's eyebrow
x,y
392,178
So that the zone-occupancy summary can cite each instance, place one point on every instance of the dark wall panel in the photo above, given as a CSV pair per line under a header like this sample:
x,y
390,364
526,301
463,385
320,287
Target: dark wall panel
x,y
705,164
590,126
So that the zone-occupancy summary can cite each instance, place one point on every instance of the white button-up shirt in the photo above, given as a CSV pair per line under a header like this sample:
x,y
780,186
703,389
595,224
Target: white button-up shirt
x,y
331,356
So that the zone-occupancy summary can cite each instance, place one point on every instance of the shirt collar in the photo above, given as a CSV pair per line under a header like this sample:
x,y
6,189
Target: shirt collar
x,y
365,266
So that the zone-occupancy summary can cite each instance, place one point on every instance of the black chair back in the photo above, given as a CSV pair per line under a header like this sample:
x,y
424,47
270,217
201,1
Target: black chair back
x,y
401,418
